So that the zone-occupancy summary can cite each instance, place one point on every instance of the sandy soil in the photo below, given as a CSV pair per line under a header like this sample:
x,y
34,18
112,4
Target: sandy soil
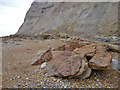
x,y
17,72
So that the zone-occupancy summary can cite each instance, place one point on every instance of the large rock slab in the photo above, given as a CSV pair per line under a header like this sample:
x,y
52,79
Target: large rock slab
x,y
56,61
68,65
44,57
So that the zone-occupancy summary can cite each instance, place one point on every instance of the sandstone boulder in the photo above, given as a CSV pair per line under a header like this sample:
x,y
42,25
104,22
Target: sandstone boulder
x,y
68,64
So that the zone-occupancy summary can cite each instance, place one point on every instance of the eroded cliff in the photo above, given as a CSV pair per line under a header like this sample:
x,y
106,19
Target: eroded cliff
x,y
74,19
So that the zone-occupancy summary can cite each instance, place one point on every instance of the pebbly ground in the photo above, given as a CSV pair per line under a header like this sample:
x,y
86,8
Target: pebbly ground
x,y
17,72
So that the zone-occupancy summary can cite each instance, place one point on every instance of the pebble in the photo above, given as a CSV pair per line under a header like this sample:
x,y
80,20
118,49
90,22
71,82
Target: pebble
x,y
11,78
44,64
115,64
38,80
27,78
18,77
65,86
97,79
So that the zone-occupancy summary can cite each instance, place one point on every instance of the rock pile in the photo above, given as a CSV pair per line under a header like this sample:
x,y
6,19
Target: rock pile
x,y
76,60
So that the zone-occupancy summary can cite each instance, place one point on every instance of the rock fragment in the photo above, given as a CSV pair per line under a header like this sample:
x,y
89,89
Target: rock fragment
x,y
87,50
71,45
115,64
101,60
44,57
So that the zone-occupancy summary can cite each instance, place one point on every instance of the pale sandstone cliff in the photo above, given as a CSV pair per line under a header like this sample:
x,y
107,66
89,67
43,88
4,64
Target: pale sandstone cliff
x,y
75,19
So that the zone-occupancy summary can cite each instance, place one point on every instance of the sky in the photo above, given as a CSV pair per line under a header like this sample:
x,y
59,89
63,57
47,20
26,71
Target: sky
x,y
12,14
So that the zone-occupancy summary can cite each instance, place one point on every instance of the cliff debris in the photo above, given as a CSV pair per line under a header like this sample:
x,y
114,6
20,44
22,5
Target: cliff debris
x,y
77,59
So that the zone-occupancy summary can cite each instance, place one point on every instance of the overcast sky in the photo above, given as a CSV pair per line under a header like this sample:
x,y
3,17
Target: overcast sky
x,y
12,14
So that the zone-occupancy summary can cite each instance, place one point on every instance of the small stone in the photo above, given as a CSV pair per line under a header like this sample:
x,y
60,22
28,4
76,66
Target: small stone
x,y
115,64
65,86
97,79
114,43
58,80
18,77
11,78
27,78
44,64
118,71
73,38
54,79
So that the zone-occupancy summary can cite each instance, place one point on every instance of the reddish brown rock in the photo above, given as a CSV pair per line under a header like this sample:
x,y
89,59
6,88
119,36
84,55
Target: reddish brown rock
x,y
101,60
44,57
69,67
68,64
71,45
56,61
87,50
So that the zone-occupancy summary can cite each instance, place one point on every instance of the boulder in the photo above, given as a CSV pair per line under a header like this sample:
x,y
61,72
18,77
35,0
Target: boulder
x,y
68,65
56,61
101,60
44,57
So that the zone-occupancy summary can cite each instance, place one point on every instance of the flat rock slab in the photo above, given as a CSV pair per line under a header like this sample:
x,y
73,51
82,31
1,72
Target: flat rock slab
x,y
68,64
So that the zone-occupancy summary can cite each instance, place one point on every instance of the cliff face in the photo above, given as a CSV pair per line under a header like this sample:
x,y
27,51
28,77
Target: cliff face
x,y
75,19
